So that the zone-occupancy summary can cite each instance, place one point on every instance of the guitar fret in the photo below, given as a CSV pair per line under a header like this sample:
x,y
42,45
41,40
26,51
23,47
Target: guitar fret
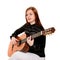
x,y
24,40
36,35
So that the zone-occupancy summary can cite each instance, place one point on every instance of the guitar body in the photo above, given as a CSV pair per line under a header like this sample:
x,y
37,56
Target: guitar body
x,y
22,47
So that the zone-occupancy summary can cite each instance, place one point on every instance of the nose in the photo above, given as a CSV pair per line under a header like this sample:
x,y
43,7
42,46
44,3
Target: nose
x,y
28,17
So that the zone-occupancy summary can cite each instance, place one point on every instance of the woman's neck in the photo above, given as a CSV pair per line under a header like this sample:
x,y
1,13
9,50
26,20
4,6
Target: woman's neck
x,y
32,23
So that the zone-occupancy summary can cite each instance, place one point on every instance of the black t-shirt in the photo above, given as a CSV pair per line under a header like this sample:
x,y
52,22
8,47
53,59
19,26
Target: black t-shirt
x,y
39,42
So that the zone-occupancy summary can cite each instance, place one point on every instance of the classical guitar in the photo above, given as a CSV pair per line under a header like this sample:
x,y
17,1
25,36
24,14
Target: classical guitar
x,y
21,44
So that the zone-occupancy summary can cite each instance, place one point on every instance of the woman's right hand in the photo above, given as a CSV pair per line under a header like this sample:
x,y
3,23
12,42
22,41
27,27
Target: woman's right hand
x,y
14,40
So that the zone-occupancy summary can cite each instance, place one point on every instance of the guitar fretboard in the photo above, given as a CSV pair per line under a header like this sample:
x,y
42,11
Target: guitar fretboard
x,y
33,36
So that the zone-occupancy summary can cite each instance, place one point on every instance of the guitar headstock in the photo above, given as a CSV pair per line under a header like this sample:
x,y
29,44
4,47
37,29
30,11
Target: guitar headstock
x,y
48,31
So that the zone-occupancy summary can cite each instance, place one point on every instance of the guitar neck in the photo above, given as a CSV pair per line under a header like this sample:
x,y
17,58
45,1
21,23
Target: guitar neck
x,y
33,36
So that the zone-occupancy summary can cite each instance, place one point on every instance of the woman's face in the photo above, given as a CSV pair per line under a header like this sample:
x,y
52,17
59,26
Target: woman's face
x,y
30,16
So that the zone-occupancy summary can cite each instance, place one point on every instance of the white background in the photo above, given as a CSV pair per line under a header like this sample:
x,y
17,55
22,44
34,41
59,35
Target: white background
x,y
12,16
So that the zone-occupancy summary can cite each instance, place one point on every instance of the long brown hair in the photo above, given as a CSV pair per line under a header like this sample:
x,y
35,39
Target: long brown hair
x,y
37,20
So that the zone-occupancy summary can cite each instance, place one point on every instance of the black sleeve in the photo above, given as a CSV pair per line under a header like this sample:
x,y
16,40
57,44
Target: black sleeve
x,y
18,31
40,41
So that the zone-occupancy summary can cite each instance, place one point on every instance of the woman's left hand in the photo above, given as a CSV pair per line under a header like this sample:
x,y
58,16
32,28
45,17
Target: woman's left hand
x,y
30,41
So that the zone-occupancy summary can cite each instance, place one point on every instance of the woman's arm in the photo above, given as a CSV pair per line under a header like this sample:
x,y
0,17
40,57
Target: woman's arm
x,y
18,31
11,47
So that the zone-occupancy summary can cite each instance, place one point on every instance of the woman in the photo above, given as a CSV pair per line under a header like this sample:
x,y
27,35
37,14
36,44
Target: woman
x,y
36,45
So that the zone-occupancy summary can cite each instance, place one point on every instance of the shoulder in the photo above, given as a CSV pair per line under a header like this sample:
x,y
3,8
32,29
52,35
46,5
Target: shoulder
x,y
40,27
21,27
24,25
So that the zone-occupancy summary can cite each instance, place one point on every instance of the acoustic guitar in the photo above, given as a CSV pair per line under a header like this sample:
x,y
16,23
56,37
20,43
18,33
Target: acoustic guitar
x,y
21,44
